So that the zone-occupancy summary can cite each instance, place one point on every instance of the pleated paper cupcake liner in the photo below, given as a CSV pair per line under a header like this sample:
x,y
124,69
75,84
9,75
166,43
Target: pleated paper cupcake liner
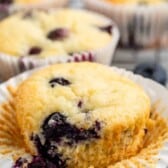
x,y
153,154
11,66
140,26
153,142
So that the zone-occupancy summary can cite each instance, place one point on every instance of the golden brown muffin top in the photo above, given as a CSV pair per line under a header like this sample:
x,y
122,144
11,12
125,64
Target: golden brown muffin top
x,y
102,93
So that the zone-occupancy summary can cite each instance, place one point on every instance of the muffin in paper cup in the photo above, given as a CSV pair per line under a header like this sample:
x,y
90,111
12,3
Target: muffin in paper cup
x,y
154,153
141,25
10,6
56,50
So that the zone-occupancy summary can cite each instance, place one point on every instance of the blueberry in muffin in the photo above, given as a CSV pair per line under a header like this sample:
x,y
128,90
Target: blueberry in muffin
x,y
81,114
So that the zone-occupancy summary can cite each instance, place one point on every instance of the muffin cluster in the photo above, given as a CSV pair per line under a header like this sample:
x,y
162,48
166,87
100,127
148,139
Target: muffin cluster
x,y
71,116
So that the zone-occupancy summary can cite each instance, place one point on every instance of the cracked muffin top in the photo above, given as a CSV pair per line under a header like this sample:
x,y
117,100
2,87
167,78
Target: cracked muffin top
x,y
78,114
51,33
138,2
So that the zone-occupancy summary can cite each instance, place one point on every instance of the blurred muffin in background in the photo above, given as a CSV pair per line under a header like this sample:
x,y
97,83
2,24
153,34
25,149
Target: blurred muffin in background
x,y
9,6
29,40
141,22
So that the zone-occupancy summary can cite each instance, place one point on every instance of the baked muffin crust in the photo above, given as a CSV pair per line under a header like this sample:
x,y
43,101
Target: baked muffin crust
x,y
90,114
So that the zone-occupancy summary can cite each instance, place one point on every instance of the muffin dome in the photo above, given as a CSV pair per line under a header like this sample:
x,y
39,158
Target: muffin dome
x,y
44,34
81,115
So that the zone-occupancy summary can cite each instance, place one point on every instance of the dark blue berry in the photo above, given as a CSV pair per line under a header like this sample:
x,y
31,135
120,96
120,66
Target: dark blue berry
x,y
34,50
48,154
59,81
56,128
80,103
58,34
107,29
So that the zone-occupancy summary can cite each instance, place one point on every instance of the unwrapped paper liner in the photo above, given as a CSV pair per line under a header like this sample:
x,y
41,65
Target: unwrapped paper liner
x,y
153,153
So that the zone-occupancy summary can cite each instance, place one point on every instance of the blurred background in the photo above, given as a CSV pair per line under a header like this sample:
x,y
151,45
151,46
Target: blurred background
x,y
143,59
142,47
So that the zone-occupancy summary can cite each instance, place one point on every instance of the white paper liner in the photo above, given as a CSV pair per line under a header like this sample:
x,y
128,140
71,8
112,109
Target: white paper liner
x,y
11,66
156,93
140,26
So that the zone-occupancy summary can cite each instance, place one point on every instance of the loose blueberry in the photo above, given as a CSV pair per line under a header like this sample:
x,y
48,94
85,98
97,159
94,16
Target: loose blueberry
x,y
34,50
152,71
59,81
58,34
107,29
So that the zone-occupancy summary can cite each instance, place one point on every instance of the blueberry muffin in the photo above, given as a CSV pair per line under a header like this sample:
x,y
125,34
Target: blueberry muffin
x,y
46,34
81,115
